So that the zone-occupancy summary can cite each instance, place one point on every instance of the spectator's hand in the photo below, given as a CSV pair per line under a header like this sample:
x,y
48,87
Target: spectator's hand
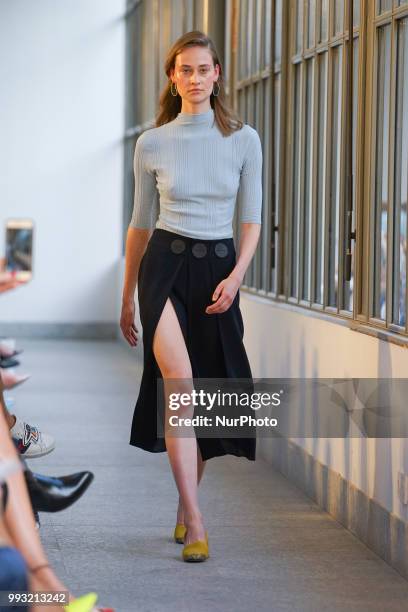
x,y
8,280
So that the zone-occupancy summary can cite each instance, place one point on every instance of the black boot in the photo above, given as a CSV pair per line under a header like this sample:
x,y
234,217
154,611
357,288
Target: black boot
x,y
52,494
8,362
37,519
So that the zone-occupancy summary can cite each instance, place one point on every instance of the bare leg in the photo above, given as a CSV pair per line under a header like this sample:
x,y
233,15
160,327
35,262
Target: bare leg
x,y
200,470
18,524
10,418
174,363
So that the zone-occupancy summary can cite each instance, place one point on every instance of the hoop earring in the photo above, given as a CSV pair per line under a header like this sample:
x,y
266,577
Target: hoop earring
x,y
216,94
171,89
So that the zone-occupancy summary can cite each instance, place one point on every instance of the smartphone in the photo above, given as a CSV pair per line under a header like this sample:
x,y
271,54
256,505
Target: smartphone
x,y
19,248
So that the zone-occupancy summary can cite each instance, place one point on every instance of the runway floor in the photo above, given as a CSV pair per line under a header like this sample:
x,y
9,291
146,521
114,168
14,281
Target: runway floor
x,y
271,547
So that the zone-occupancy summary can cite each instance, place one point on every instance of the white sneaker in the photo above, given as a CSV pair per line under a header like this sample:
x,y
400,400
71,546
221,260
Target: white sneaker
x,y
30,441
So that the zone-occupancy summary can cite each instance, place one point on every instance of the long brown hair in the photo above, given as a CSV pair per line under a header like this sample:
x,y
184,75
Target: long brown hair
x,y
169,105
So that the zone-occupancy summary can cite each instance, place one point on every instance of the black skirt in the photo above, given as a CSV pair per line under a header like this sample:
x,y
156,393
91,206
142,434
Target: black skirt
x,y
187,270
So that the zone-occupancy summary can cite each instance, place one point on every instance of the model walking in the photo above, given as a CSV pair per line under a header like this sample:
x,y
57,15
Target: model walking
x,y
190,171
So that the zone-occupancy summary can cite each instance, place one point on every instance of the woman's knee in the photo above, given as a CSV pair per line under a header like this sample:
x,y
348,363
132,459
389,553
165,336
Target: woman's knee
x,y
173,367
169,346
179,372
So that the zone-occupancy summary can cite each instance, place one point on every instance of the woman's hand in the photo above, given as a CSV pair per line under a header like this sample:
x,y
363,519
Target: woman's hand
x,y
127,322
45,579
8,282
224,295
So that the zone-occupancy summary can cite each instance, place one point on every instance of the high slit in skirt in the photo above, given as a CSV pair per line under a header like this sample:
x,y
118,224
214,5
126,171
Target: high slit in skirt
x,y
187,270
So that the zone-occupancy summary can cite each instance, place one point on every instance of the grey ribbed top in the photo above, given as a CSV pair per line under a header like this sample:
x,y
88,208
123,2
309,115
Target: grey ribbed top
x,y
189,177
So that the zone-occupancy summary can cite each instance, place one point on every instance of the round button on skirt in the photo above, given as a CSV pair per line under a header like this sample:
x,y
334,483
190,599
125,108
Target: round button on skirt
x,y
187,270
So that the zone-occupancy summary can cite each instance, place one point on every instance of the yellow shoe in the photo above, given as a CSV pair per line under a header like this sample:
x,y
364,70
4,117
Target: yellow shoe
x,y
179,533
196,551
85,603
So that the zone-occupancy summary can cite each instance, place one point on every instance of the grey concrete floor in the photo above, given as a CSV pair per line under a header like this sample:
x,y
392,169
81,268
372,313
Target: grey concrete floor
x,y
271,547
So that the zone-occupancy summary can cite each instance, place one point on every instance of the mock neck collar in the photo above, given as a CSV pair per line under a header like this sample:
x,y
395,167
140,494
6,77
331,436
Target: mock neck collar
x,y
205,118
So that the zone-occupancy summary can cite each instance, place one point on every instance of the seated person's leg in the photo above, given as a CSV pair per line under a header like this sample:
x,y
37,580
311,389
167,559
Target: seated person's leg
x,y
31,442
13,573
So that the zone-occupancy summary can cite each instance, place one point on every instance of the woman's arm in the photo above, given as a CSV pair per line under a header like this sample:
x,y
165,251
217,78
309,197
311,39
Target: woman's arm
x,y
250,233
249,201
226,290
136,242
142,223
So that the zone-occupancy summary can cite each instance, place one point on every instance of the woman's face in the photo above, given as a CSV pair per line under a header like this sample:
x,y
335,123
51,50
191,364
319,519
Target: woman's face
x,y
195,70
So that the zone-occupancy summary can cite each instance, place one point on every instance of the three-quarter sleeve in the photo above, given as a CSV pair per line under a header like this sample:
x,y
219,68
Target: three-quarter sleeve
x,y
249,195
146,196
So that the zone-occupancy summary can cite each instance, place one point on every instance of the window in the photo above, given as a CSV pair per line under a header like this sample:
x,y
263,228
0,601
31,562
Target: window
x,y
321,146
258,93
310,224
380,213
399,300
389,184
336,116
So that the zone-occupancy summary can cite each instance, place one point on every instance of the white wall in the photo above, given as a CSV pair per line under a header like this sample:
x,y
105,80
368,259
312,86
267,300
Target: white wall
x,y
283,342
61,125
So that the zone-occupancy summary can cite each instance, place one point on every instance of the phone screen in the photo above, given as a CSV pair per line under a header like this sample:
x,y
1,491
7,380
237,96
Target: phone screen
x,y
19,247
